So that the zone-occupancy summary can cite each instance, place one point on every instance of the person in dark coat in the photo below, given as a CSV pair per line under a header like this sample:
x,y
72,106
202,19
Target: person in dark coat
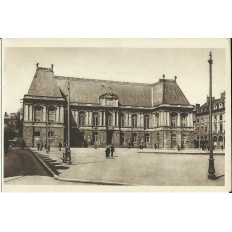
x,y
178,147
107,151
45,146
41,147
112,151
60,145
38,145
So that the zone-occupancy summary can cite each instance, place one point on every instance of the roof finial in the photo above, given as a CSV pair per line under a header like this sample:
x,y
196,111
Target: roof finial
x,y
175,77
52,66
163,76
37,65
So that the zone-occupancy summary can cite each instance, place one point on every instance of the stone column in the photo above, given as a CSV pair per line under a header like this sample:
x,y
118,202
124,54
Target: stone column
x,y
100,118
129,119
168,118
57,115
30,112
61,114
25,112
142,120
44,114
139,120
178,119
161,118
113,118
77,118
86,118
104,118
165,118
90,118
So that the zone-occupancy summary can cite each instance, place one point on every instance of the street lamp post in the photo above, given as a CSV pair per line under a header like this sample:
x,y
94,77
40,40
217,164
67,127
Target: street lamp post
x,y
211,170
67,149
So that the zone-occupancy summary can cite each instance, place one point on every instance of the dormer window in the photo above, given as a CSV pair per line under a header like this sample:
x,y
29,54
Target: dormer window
x,y
108,99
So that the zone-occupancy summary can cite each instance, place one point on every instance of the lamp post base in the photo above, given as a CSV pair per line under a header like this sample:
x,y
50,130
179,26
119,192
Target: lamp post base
x,y
67,156
211,170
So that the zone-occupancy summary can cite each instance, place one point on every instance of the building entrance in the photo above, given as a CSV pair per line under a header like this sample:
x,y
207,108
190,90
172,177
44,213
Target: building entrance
x,y
109,137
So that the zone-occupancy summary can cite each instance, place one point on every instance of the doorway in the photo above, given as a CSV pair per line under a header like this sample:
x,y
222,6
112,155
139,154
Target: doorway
x,y
109,138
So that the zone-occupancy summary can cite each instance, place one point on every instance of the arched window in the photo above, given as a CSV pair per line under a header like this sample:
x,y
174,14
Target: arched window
x,y
82,119
183,118
173,119
146,121
134,120
95,119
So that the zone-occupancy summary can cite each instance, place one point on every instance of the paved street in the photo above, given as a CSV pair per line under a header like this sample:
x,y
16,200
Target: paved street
x,y
137,167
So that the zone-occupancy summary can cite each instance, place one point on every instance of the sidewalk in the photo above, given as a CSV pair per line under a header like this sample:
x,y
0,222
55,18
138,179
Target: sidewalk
x,y
134,167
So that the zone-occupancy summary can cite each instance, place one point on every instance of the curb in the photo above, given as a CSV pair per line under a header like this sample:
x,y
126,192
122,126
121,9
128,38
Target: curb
x,y
7,179
56,177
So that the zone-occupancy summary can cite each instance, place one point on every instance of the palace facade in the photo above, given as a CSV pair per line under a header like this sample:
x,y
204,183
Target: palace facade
x,y
104,112
201,122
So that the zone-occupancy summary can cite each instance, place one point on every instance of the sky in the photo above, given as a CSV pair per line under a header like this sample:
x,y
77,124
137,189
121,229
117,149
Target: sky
x,y
145,65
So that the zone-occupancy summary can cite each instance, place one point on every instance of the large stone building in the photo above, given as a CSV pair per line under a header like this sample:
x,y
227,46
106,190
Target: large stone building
x,y
105,112
201,122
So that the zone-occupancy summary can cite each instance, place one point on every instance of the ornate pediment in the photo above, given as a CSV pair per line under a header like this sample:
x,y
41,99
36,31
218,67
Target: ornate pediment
x,y
109,96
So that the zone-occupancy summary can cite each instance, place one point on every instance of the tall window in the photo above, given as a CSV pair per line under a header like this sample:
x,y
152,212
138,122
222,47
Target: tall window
x,y
95,137
95,119
110,120
38,115
220,116
157,119
215,127
146,121
134,120
82,119
221,127
51,115
174,119
134,138
183,120
147,138
206,129
122,120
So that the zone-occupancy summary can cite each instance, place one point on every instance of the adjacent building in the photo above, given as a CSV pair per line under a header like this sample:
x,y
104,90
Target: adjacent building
x,y
104,112
201,122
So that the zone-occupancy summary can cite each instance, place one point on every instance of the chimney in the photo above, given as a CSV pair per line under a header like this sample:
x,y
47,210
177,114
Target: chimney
x,y
52,66
175,77
37,65
223,95
163,76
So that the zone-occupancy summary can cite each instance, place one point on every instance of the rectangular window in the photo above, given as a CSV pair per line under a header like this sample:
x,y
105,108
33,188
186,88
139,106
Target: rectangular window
x,y
134,138
220,116
147,138
38,115
36,133
51,115
122,121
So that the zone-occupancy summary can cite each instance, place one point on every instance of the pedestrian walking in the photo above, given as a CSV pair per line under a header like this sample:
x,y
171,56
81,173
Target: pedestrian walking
x,y
112,150
107,151
45,146
178,147
23,144
41,147
38,145
129,143
222,147
60,146
155,145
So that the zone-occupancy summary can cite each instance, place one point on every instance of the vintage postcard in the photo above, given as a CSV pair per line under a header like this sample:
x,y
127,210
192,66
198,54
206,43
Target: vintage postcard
x,y
116,115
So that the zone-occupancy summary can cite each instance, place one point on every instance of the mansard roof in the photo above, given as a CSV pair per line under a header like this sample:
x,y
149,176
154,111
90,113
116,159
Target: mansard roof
x,y
86,91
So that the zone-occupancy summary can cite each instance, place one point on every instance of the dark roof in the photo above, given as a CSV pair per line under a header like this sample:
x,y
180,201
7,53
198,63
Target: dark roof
x,y
214,102
44,84
85,91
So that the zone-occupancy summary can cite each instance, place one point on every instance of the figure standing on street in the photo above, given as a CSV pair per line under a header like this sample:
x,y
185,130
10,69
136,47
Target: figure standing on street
x,y
41,147
112,151
60,146
178,147
45,146
38,145
107,151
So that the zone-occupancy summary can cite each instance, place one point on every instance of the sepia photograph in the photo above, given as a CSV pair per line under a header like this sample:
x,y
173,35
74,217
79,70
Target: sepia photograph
x,y
116,114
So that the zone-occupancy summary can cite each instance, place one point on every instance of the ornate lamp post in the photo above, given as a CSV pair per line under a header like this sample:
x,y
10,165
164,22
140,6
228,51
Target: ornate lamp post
x,y
211,170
